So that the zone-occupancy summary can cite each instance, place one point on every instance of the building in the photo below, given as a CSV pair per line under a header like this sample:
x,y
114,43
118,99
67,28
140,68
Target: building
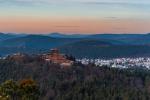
x,y
19,57
55,57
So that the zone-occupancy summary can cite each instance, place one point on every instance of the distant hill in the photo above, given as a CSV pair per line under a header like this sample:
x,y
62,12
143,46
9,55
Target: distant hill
x,y
91,46
38,44
4,36
32,44
131,39
59,35
115,36
35,40
101,49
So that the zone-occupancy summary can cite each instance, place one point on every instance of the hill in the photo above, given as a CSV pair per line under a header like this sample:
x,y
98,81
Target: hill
x,y
32,44
93,46
101,49
131,39
4,36
79,82
59,35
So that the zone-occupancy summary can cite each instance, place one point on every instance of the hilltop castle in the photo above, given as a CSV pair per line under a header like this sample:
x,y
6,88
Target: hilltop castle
x,y
55,57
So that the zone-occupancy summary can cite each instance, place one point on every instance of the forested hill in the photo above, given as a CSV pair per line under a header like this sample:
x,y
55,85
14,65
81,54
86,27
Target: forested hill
x,y
78,82
80,46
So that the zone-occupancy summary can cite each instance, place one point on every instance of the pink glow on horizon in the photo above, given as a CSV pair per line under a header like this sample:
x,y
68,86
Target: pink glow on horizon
x,y
45,25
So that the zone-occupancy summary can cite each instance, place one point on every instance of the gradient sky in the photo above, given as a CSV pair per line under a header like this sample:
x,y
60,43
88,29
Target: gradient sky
x,y
75,16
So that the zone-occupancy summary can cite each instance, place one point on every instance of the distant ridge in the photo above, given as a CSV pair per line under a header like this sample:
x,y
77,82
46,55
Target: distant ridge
x,y
4,36
35,41
94,46
60,35
32,44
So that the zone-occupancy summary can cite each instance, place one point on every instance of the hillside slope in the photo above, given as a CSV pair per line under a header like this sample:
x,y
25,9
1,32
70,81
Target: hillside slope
x,y
79,82
32,44
99,49
107,47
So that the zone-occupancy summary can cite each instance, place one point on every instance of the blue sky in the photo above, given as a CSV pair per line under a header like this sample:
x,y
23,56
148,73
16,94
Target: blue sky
x,y
87,8
116,11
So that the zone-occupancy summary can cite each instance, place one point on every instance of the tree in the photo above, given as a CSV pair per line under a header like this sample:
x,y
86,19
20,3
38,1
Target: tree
x,y
24,90
9,89
29,89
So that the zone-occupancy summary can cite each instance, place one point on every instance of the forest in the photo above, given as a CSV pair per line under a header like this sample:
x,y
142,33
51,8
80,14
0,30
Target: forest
x,y
34,79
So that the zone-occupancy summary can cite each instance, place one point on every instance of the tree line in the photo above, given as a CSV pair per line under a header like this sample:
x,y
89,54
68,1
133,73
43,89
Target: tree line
x,y
35,79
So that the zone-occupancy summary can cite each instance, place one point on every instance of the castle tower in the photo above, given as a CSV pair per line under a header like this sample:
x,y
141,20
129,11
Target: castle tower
x,y
55,57
54,51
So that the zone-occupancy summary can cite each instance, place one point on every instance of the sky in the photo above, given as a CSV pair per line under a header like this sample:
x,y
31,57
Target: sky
x,y
75,16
